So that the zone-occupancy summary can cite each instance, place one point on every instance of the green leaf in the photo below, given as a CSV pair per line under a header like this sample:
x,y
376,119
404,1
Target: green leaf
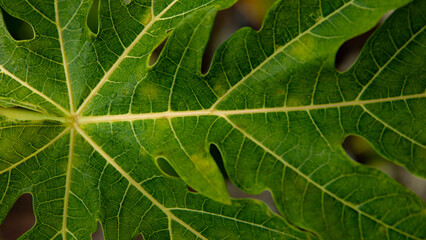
x,y
84,118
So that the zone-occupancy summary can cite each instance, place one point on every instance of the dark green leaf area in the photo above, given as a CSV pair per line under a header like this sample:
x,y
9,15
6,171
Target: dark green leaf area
x,y
160,206
120,92
310,182
34,158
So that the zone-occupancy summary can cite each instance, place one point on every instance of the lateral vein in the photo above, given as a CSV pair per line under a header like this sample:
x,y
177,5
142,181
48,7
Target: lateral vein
x,y
111,161
308,179
36,152
391,128
365,87
121,58
25,84
278,51
234,219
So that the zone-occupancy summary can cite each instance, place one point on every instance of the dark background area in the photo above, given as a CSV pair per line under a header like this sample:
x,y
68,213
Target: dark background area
x,y
245,13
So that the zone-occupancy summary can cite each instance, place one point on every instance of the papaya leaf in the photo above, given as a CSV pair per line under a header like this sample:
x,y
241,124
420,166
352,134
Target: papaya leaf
x,y
84,120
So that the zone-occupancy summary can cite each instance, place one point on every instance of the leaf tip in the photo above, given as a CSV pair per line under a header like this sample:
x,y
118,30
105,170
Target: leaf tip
x,y
224,198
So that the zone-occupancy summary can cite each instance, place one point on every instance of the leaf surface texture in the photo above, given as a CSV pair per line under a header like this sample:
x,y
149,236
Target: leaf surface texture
x,y
84,119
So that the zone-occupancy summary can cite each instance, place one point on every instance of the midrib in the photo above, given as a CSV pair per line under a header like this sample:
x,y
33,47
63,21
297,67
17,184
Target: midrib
x,y
223,113
64,58
27,115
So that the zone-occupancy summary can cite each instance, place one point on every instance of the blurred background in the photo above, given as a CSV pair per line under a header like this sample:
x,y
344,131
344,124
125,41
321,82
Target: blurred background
x,y
245,13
